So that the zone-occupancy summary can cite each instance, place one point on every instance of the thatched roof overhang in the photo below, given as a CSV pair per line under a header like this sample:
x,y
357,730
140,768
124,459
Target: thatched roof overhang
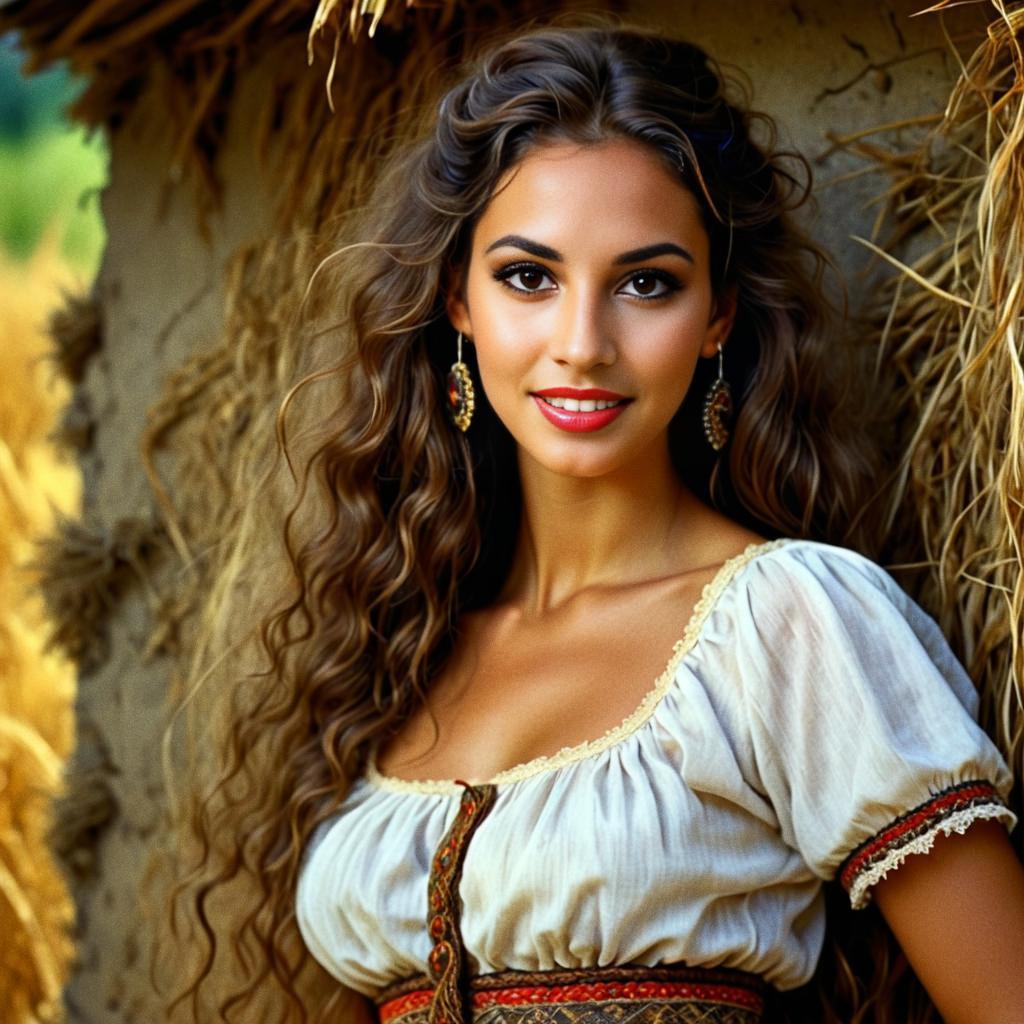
x,y
113,41
342,69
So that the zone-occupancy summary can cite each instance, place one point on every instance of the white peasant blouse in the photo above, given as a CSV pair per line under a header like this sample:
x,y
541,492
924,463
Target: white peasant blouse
x,y
811,722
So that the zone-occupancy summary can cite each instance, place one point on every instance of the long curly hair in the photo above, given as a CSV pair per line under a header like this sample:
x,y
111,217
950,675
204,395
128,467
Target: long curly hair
x,y
399,523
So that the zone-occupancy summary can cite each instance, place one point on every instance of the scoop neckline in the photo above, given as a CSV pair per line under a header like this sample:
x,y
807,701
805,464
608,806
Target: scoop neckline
x,y
574,752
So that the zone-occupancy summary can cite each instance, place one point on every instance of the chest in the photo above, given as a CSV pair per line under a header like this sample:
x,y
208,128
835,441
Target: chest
x,y
516,689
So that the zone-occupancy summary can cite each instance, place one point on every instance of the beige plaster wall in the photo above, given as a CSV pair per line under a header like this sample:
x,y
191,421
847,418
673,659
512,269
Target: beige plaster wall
x,y
839,66
161,291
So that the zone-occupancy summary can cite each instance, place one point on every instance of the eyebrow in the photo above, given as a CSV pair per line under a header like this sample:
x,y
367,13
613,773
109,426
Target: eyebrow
x,y
545,252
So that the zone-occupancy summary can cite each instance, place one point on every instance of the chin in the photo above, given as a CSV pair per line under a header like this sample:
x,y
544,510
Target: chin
x,y
580,465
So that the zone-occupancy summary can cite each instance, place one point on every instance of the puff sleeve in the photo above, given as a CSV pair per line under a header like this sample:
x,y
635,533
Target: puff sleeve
x,y
863,730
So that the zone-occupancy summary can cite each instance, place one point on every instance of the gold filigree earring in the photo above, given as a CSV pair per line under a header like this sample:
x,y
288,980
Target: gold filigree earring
x,y
460,392
717,408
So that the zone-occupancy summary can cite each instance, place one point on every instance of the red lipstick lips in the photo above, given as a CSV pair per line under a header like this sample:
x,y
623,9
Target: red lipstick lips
x,y
575,421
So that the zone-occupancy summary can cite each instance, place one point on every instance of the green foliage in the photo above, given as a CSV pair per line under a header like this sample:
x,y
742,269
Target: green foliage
x,y
50,172
31,104
51,181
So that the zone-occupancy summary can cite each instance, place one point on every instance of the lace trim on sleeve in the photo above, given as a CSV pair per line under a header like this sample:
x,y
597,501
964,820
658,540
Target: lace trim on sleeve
x,y
952,810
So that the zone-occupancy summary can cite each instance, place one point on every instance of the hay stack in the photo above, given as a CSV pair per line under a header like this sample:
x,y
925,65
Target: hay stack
x,y
37,692
949,333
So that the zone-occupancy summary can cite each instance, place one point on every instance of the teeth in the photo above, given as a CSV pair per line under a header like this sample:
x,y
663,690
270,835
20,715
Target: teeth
x,y
577,405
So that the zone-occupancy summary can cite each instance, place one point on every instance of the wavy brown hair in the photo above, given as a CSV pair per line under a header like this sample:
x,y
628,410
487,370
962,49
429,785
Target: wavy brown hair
x,y
400,523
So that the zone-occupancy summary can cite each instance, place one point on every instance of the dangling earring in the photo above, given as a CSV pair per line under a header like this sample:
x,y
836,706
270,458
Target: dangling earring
x,y
717,408
460,392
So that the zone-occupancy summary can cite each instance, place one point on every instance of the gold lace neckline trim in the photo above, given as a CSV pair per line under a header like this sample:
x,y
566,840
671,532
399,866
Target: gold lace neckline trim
x,y
710,593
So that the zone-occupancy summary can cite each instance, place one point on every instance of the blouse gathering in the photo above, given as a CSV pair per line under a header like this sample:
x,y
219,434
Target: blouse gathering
x,y
811,723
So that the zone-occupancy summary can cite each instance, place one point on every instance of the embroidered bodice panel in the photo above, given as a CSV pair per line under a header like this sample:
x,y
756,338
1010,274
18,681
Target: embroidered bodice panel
x,y
812,720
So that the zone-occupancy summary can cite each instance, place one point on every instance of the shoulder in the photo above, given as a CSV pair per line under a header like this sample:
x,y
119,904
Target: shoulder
x,y
795,555
801,601
801,608
795,576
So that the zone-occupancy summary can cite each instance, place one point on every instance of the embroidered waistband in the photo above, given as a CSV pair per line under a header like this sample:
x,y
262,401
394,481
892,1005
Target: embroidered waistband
x,y
668,994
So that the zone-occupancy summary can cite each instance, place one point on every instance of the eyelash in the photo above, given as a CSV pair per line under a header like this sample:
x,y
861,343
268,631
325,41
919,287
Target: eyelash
x,y
671,282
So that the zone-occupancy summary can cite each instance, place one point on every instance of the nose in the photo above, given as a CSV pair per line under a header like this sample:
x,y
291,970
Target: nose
x,y
583,334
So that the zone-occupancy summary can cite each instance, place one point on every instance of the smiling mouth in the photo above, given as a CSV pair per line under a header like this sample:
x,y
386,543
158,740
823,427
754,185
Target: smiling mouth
x,y
580,415
581,404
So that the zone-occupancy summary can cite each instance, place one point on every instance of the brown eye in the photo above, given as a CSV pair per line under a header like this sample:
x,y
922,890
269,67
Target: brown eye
x,y
649,284
645,284
526,278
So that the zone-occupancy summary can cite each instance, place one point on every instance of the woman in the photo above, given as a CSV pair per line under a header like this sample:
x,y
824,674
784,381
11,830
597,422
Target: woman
x,y
581,710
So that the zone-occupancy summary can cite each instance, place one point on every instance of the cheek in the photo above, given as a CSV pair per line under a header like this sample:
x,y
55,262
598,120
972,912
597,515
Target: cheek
x,y
501,368
503,348
669,356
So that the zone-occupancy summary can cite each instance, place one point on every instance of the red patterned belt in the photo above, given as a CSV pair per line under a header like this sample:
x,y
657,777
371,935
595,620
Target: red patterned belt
x,y
668,994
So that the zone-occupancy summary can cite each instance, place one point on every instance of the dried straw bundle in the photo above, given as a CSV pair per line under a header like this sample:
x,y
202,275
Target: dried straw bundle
x,y
76,335
86,806
83,571
37,691
950,335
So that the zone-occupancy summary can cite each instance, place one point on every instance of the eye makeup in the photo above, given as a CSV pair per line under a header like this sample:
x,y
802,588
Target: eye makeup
x,y
504,275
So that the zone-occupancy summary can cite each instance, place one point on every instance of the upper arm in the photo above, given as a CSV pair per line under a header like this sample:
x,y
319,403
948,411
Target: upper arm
x,y
958,913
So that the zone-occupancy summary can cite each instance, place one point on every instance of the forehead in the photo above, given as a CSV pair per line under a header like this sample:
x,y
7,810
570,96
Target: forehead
x,y
613,195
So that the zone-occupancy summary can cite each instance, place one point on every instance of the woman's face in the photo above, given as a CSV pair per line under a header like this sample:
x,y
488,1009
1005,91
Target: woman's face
x,y
589,273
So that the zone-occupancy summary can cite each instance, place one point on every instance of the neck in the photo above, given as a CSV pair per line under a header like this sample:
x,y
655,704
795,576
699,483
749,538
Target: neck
x,y
578,533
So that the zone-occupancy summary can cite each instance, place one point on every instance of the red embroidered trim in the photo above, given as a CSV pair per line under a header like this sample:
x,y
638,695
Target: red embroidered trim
x,y
916,822
404,1004
446,959
593,992
597,992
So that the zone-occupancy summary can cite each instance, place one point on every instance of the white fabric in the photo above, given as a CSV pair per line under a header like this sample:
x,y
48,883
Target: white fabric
x,y
809,703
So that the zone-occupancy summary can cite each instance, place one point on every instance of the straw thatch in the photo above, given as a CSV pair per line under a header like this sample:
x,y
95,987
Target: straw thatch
x,y
86,806
949,334
196,50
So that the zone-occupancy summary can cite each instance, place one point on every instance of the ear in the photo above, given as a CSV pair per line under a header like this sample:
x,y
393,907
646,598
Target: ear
x,y
455,302
720,325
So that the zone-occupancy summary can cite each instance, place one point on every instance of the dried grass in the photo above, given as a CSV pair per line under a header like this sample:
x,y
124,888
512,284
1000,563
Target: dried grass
x,y
949,333
76,334
84,569
36,698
